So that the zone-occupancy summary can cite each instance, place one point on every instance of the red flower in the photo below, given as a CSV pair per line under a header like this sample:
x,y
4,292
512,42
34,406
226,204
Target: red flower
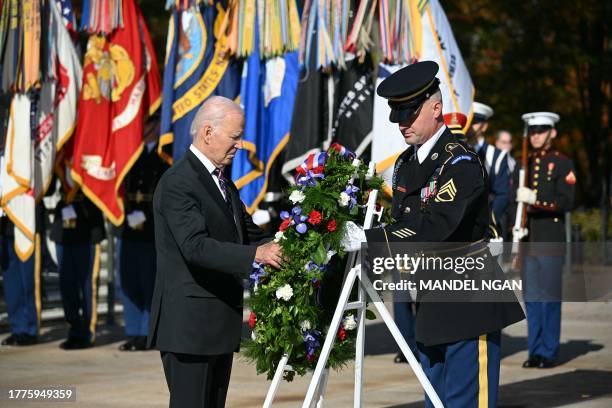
x,y
314,217
252,320
316,283
341,333
284,225
331,225
310,358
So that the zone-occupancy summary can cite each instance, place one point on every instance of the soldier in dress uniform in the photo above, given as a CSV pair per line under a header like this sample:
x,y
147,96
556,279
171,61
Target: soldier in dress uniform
x,y
78,228
549,192
440,194
494,160
136,243
21,284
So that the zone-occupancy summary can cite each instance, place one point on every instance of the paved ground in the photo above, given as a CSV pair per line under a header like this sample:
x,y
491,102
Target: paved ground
x,y
105,377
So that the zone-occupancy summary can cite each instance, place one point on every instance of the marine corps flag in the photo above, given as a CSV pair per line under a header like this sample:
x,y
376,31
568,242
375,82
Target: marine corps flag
x,y
197,66
120,88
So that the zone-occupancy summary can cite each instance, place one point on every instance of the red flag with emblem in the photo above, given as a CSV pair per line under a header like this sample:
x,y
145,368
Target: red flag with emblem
x,y
121,86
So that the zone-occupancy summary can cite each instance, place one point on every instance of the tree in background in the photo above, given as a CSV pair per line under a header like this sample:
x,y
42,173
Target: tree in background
x,y
546,55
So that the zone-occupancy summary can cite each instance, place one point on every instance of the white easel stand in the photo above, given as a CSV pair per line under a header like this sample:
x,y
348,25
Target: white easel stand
x,y
318,383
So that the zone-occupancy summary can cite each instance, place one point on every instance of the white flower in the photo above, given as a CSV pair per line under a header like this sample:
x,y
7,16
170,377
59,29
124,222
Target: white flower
x,y
356,162
253,336
305,325
349,322
344,199
284,292
330,254
278,236
296,196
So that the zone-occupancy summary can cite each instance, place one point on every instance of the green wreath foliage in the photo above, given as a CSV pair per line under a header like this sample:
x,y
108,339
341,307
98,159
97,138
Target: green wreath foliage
x,y
291,308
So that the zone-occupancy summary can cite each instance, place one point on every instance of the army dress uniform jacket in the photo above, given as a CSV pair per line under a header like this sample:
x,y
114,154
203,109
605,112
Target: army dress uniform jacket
x,y
552,177
445,199
203,253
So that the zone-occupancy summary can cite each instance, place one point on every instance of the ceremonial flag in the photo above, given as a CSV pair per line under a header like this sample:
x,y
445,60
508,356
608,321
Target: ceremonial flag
x,y
12,29
29,159
312,118
436,42
353,116
197,66
267,95
18,196
387,142
120,88
432,39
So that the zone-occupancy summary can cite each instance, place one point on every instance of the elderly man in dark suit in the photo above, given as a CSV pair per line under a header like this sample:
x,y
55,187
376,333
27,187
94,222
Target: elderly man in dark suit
x,y
206,243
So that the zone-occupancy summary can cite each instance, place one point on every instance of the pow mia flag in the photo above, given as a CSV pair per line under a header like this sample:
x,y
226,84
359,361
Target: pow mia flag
x,y
352,126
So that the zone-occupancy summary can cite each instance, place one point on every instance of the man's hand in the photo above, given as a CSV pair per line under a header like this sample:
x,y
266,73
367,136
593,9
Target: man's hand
x,y
269,254
525,195
353,237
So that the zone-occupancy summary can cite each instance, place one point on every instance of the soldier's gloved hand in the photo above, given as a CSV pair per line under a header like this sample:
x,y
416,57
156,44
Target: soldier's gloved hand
x,y
353,237
525,195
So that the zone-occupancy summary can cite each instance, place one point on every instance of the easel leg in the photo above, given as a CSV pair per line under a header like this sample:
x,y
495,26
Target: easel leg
x,y
401,342
329,339
359,346
278,376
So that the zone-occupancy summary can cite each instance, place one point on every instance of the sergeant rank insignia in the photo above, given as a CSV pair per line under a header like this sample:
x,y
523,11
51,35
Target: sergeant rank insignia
x,y
447,192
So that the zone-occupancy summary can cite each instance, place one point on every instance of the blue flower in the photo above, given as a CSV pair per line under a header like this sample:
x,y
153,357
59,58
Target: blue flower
x,y
312,343
258,272
309,179
301,228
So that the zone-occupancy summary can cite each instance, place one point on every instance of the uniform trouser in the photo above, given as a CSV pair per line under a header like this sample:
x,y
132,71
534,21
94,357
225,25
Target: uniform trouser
x,y
543,288
78,267
137,279
464,373
21,282
404,318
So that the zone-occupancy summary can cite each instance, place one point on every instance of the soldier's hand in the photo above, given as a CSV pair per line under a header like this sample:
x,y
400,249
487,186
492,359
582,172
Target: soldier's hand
x,y
269,254
525,195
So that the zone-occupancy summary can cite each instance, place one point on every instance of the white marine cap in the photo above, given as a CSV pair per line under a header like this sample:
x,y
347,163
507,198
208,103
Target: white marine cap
x,y
541,119
482,111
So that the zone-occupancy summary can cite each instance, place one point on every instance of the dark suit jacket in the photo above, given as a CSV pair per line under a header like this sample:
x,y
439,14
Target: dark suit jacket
x,y
203,253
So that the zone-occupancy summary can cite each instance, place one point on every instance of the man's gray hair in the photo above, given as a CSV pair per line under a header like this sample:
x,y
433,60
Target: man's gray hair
x,y
213,111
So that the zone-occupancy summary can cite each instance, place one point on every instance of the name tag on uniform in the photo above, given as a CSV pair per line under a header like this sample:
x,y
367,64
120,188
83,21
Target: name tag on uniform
x,y
401,189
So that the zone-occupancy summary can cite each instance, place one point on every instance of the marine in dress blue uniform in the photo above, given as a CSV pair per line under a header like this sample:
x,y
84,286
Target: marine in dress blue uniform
x,y
549,192
494,160
21,284
440,194
78,228
136,243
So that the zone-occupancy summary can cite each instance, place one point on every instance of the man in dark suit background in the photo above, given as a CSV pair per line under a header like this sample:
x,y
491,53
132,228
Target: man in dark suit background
x,y
206,243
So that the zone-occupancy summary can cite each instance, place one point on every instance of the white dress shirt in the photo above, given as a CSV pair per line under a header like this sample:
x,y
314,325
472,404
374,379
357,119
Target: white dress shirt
x,y
426,147
209,166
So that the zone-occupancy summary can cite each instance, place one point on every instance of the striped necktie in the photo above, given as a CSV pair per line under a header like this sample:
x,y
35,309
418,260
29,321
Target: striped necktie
x,y
223,185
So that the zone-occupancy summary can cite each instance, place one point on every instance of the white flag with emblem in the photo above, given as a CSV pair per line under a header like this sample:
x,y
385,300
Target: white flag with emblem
x,y
29,159
433,41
